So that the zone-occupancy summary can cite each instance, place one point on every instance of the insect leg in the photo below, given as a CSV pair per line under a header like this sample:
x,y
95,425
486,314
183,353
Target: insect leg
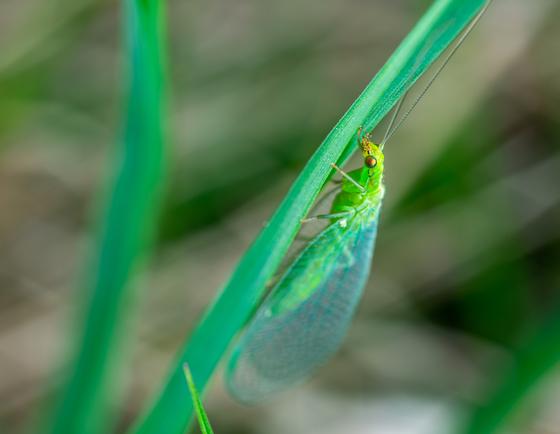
x,y
304,238
348,177
336,215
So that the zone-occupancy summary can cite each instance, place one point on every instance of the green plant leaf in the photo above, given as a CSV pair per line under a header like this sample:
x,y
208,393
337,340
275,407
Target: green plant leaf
x,y
127,226
236,302
199,409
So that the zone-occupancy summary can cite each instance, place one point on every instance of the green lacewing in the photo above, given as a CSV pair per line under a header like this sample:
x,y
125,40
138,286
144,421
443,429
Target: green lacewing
x,y
304,318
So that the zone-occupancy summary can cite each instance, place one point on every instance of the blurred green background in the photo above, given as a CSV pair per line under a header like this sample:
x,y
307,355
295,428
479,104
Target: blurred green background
x,y
467,261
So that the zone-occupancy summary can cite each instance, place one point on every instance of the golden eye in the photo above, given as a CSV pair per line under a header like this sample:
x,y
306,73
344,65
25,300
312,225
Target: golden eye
x,y
370,161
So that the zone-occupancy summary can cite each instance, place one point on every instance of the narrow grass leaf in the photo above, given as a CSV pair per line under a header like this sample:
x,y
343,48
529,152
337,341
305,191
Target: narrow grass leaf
x,y
199,409
126,228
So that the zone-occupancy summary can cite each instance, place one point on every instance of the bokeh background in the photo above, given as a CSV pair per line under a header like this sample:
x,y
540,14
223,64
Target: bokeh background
x,y
467,260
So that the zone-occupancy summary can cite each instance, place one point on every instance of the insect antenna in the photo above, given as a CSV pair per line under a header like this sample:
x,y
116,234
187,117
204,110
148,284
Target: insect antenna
x,y
392,121
440,68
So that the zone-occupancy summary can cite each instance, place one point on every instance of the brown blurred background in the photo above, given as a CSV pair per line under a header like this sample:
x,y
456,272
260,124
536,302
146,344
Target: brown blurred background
x,y
467,261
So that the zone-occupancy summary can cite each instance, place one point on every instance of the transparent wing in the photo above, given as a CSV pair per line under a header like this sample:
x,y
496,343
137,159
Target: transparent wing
x,y
305,317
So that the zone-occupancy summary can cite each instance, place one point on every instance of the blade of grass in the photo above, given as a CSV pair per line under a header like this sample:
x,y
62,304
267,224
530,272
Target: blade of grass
x,y
199,409
172,410
127,226
532,365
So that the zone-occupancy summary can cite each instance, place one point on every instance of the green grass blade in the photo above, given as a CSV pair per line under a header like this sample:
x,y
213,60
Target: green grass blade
x,y
127,226
172,410
203,421
533,364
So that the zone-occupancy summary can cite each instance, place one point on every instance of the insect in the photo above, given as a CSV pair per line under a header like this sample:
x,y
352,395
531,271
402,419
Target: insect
x,y
304,318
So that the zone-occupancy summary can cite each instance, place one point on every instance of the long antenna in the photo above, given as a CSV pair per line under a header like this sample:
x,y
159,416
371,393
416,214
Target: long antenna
x,y
462,38
393,119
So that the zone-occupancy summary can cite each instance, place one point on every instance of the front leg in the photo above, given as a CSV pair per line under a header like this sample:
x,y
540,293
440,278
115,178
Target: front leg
x,y
336,215
348,177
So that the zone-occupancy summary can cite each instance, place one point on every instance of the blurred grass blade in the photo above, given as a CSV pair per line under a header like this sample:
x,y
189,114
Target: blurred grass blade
x,y
127,226
238,299
533,363
203,421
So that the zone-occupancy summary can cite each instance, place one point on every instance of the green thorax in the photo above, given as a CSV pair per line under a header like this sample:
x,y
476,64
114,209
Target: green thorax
x,y
370,176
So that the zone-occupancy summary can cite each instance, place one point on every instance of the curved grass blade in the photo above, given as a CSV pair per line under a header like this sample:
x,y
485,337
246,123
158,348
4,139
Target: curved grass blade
x,y
203,421
439,26
126,229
